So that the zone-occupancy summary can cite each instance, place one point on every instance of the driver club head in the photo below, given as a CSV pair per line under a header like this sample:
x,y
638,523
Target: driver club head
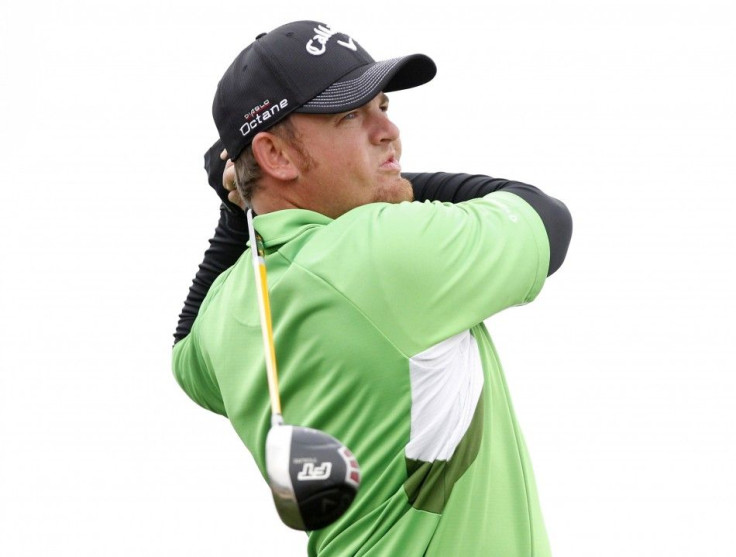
x,y
314,478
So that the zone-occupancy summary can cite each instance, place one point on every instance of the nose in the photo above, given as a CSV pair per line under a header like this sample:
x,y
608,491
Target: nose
x,y
383,130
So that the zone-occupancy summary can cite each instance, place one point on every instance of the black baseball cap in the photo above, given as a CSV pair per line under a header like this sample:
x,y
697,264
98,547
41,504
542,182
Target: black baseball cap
x,y
304,66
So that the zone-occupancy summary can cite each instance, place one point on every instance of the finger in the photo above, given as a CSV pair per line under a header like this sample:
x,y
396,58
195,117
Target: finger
x,y
228,178
234,197
223,155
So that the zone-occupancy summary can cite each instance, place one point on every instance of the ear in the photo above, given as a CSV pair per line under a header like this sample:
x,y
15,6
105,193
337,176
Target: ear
x,y
273,156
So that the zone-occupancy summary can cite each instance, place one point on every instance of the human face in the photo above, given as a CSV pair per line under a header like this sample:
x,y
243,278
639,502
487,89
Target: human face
x,y
352,159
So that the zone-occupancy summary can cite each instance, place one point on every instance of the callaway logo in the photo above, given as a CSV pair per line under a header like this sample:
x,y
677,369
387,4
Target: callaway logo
x,y
317,45
310,472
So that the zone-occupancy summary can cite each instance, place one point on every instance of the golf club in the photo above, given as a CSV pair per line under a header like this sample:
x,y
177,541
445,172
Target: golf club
x,y
313,477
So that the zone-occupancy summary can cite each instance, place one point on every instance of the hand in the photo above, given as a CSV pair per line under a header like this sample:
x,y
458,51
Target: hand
x,y
220,170
228,181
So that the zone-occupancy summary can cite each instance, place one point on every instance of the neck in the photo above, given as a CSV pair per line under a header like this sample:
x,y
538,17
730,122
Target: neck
x,y
265,200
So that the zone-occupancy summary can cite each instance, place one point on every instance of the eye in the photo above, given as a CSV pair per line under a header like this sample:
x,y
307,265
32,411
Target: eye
x,y
350,115
383,105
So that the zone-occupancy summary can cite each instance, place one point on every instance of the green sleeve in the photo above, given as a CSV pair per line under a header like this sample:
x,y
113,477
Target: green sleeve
x,y
190,364
193,376
438,269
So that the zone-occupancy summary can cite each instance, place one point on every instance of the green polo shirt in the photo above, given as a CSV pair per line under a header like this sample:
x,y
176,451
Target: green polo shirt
x,y
378,325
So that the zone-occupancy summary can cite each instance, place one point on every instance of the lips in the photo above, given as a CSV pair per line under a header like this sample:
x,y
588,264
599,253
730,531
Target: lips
x,y
391,163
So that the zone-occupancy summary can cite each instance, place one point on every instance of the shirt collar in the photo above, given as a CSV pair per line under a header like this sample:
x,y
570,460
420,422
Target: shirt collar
x,y
280,227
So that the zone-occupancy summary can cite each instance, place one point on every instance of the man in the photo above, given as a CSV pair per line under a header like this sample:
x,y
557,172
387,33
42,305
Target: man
x,y
378,302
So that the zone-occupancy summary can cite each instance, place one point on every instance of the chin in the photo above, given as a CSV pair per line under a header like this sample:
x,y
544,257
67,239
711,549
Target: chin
x,y
398,191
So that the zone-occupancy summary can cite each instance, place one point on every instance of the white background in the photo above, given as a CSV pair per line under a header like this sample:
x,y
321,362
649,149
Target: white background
x,y
622,371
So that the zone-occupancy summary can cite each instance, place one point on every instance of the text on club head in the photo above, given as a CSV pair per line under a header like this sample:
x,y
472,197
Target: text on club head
x,y
310,472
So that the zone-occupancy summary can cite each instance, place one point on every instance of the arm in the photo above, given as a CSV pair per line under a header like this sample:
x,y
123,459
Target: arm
x,y
228,243
226,246
427,271
455,188
231,234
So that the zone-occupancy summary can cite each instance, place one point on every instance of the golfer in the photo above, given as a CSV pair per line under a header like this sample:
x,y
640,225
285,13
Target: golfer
x,y
378,301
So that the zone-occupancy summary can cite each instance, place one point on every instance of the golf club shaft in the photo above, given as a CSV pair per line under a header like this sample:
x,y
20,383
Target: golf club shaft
x,y
264,310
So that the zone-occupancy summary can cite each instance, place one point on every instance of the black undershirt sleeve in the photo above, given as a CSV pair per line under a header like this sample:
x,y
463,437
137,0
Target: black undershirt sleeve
x,y
231,233
227,244
454,188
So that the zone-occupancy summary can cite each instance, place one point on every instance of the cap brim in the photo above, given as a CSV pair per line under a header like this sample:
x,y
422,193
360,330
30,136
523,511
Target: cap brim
x,y
362,84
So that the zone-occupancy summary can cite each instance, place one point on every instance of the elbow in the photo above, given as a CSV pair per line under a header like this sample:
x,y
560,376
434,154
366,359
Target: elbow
x,y
559,233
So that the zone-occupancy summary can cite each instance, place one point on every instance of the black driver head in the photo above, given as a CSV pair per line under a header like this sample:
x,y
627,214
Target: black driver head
x,y
314,478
